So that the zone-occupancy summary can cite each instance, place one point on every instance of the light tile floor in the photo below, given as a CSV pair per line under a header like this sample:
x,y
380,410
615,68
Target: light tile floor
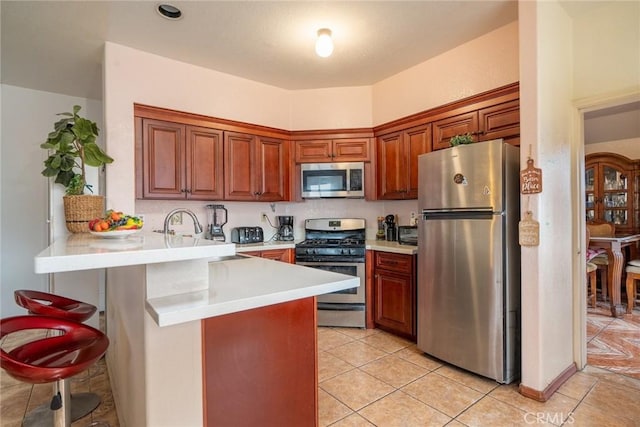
x,y
371,378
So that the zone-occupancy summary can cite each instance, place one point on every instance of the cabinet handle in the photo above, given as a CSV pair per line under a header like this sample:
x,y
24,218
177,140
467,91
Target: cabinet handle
x,y
188,191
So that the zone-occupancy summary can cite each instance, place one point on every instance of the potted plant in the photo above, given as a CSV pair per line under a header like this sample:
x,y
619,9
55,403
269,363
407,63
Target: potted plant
x,y
466,138
72,147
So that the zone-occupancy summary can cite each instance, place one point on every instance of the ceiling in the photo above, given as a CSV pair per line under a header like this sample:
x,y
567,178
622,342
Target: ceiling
x,y
57,46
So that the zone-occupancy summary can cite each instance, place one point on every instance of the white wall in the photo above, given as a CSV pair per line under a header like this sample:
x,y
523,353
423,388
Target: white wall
x,y
546,129
480,65
28,116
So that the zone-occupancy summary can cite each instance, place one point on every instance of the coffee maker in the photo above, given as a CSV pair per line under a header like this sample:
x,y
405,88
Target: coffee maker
x,y
391,230
216,217
285,227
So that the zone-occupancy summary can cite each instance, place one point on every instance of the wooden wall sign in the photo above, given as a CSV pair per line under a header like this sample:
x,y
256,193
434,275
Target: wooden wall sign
x,y
531,179
529,231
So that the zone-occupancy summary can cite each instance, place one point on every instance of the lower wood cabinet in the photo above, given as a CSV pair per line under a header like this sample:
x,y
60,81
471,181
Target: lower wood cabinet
x,y
394,288
284,255
260,366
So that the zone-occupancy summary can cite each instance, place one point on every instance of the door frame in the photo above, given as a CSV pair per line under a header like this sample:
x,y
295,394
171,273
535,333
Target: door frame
x,y
581,107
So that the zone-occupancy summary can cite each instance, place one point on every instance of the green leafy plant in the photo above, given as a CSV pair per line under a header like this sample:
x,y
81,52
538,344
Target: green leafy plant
x,y
72,146
466,138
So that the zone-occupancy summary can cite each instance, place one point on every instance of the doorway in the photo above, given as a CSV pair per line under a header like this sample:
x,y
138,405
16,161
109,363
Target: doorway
x,y
599,339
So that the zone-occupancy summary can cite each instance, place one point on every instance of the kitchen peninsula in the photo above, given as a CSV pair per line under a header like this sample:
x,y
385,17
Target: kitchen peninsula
x,y
200,335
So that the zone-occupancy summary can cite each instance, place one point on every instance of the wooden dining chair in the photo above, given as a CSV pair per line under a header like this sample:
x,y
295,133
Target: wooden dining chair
x,y
633,279
600,228
591,274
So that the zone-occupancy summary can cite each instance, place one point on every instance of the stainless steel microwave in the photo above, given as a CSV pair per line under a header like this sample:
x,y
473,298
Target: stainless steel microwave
x,y
332,180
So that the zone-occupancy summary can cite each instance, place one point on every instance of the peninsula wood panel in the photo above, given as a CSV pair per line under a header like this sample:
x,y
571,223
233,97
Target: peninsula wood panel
x,y
267,374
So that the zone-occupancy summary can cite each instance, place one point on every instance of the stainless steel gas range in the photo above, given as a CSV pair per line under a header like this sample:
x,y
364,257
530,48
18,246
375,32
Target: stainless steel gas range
x,y
337,244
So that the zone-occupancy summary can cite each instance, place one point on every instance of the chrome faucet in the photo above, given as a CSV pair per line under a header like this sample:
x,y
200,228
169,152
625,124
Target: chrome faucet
x,y
196,224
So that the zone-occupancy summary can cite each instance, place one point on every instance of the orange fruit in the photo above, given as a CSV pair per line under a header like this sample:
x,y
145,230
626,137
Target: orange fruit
x,y
104,225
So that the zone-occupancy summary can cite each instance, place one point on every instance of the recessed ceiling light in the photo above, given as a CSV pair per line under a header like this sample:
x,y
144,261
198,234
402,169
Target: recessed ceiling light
x,y
168,11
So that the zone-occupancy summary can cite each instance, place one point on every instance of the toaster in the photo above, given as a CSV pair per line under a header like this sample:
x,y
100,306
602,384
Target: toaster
x,y
408,235
247,235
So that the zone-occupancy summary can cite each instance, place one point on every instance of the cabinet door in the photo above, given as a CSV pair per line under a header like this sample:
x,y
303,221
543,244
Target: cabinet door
x,y
500,121
591,193
284,255
394,293
393,301
204,164
351,150
615,202
272,173
163,160
314,151
444,129
417,141
240,166
390,171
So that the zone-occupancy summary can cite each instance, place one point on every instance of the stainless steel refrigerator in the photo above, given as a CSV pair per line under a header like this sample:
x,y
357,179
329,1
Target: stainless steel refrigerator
x,y
469,258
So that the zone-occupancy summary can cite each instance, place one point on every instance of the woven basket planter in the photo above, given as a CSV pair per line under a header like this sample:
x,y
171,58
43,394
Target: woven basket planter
x,y
79,210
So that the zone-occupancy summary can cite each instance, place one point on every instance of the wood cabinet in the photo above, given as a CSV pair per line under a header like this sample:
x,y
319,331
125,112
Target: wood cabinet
x,y
333,150
256,168
394,288
177,161
397,162
267,373
284,255
611,190
497,121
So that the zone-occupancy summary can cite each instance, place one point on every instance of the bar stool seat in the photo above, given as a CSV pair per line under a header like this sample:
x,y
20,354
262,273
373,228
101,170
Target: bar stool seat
x,y
54,358
47,304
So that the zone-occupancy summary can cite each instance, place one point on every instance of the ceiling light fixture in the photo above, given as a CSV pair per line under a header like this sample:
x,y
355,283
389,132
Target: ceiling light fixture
x,y
324,44
168,11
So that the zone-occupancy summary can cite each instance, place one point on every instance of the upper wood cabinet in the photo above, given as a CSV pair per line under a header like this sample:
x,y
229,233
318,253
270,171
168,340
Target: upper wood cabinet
x,y
397,162
611,190
500,121
497,121
177,161
256,168
445,129
333,150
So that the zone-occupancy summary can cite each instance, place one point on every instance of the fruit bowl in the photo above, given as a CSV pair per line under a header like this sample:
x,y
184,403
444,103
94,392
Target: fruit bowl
x,y
114,234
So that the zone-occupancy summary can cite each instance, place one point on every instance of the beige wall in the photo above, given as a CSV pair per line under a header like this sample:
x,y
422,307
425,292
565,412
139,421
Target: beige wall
x,y
480,65
606,50
626,147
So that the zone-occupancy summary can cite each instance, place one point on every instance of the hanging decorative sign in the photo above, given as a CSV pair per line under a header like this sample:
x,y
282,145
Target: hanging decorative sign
x,y
530,178
529,231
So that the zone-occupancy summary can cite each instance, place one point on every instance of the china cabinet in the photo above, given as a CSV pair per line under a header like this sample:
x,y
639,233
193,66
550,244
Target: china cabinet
x,y
611,193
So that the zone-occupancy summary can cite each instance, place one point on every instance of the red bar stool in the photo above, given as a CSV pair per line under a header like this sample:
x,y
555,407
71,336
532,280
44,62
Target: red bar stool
x,y
52,359
46,304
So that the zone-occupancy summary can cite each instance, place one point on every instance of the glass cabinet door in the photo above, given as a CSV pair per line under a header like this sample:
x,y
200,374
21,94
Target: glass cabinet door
x,y
615,206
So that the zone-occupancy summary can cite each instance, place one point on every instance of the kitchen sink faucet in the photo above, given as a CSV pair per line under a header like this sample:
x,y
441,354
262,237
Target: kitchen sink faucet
x,y
196,224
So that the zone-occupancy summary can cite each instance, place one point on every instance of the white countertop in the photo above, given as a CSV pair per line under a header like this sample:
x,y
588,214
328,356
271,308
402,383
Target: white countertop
x,y
84,251
394,247
265,246
243,284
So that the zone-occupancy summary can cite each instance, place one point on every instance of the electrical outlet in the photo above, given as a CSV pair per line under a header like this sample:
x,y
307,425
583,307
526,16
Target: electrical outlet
x,y
263,217
176,219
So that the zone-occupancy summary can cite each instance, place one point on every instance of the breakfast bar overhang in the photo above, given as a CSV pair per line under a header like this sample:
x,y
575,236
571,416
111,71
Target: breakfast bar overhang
x,y
200,335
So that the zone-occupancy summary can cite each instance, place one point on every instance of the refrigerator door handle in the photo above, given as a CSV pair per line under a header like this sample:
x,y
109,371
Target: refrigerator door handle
x,y
482,213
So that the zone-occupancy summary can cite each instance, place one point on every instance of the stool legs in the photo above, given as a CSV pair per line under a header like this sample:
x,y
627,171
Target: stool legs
x,y
74,406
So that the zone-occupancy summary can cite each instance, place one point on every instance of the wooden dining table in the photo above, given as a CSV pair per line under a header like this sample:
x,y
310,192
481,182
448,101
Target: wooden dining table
x,y
614,246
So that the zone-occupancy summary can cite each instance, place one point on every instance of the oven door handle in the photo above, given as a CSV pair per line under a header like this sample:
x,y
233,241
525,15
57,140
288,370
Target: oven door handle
x,y
340,264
